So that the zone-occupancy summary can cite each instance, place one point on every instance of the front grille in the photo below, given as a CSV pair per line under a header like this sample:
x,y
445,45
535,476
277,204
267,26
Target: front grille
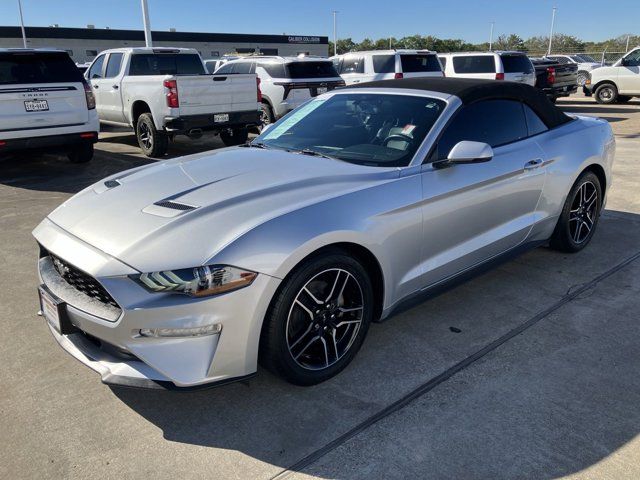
x,y
82,282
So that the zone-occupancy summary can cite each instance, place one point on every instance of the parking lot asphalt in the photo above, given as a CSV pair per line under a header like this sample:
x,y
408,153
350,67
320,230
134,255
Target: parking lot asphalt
x,y
527,371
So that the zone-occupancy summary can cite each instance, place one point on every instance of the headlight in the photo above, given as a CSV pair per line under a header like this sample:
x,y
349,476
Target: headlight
x,y
198,281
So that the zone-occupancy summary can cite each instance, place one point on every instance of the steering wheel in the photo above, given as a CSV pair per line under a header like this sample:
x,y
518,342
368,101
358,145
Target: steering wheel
x,y
398,136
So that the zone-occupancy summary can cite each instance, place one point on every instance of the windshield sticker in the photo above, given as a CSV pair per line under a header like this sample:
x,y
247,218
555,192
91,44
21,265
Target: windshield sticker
x,y
408,129
295,117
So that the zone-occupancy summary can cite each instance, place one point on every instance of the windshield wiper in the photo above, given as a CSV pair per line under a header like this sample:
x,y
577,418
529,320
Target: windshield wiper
x,y
312,153
255,145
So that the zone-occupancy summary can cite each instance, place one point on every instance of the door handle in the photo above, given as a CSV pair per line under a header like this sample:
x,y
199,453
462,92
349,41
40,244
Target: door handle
x,y
95,85
115,87
533,164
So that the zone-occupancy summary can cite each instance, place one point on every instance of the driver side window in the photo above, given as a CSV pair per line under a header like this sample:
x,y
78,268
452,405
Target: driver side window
x,y
96,68
495,122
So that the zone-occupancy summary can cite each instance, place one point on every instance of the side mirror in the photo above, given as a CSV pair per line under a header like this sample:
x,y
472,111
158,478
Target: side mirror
x,y
467,151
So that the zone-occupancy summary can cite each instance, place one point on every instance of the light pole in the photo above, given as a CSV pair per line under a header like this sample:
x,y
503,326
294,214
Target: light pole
x,y
553,21
626,49
147,27
491,36
335,32
24,35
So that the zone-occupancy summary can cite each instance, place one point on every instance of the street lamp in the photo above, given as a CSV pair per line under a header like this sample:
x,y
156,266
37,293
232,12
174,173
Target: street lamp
x,y
24,35
553,21
147,27
335,32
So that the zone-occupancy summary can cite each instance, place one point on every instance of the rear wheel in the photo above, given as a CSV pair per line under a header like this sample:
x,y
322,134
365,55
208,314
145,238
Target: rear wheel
x,y
153,142
81,154
318,320
606,93
237,136
579,217
266,114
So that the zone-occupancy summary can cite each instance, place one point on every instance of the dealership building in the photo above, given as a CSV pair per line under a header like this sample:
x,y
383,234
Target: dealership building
x,y
83,44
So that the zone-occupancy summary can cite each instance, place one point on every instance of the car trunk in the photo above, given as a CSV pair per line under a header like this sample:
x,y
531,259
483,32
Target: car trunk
x,y
40,90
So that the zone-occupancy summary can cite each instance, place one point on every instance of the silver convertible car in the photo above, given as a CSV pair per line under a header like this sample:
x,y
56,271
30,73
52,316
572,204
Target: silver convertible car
x,y
190,272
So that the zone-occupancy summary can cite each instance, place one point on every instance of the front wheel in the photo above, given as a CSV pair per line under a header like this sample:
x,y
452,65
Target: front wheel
x,y
318,320
606,94
580,214
236,136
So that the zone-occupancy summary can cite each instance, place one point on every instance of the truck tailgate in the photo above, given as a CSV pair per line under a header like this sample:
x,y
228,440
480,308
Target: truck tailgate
x,y
566,75
206,94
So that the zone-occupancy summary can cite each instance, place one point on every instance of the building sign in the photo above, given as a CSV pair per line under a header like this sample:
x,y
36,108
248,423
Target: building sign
x,y
296,39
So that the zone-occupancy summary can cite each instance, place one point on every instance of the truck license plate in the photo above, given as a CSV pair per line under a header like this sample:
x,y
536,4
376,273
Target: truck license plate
x,y
36,105
221,118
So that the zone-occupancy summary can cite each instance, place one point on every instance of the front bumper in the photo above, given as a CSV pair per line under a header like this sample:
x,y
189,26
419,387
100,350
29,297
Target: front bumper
x,y
557,92
49,142
108,341
206,122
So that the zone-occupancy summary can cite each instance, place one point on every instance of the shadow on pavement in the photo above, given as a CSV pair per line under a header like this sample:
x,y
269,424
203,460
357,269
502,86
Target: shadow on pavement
x,y
551,411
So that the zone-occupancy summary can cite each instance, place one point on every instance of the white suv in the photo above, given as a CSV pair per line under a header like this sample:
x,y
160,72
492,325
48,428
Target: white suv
x,y
286,82
361,67
617,83
511,66
45,104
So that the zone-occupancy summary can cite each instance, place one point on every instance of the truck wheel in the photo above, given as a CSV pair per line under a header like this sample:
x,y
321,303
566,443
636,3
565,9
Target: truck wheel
x,y
606,94
153,142
81,154
582,78
236,136
266,115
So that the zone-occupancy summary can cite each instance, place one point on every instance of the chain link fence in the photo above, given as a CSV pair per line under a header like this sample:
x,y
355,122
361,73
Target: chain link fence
x,y
604,57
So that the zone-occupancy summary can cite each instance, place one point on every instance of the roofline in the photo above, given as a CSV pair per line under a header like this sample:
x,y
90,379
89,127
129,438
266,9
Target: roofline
x,y
160,36
388,51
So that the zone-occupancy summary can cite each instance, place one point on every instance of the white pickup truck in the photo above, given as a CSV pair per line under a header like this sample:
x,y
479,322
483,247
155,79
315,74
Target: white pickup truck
x,y
162,92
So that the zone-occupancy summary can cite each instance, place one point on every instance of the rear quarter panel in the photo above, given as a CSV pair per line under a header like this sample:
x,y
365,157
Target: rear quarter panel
x,y
570,149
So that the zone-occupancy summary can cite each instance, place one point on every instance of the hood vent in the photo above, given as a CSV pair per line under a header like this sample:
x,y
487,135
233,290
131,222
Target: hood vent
x,y
183,207
112,183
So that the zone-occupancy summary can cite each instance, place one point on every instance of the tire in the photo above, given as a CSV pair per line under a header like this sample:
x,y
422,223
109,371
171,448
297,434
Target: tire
x,y
606,94
81,154
237,136
580,214
153,142
623,98
299,326
581,78
266,114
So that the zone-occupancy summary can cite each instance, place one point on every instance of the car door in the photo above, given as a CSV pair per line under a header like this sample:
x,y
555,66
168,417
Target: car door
x,y
110,91
94,76
473,212
629,74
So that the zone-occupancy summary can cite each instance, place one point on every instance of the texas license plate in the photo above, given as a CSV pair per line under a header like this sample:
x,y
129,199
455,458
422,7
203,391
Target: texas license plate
x,y
221,118
36,105
49,307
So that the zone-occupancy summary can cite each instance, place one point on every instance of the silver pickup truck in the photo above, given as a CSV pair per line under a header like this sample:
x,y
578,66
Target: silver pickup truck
x,y
162,92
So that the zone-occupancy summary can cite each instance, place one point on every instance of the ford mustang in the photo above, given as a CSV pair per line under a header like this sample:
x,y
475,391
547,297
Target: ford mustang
x,y
192,271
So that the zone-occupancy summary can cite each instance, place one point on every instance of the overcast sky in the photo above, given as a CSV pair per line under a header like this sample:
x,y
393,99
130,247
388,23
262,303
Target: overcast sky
x,y
469,19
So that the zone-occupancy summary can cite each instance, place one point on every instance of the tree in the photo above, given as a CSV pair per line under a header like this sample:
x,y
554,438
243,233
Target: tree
x,y
509,42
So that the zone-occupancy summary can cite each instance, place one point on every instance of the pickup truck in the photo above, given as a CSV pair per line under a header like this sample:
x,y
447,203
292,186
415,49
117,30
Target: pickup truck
x,y
163,92
555,79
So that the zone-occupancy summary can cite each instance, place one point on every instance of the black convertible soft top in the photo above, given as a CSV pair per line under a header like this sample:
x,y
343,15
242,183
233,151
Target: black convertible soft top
x,y
473,90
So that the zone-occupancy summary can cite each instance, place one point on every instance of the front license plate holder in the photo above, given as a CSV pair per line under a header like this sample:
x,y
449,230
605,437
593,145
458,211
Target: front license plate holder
x,y
54,311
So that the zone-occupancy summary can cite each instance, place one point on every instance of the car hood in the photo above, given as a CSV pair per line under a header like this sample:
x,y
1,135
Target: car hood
x,y
180,213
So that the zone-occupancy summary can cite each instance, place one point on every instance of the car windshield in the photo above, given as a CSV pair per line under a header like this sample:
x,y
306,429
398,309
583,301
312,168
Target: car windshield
x,y
382,130
586,58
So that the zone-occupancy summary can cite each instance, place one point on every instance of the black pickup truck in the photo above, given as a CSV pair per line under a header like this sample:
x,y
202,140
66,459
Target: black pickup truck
x,y
555,79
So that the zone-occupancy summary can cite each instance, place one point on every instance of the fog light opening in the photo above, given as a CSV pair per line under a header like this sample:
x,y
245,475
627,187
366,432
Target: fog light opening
x,y
212,329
